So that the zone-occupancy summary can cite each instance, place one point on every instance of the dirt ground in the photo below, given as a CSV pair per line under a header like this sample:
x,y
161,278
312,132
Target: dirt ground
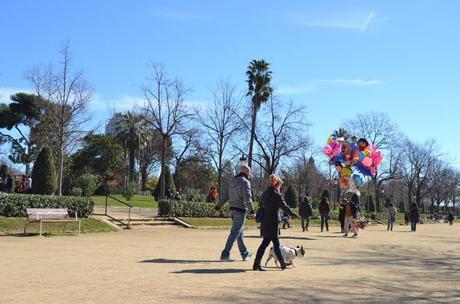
x,y
175,265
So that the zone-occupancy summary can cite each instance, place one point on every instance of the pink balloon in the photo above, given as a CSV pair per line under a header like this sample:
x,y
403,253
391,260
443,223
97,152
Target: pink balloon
x,y
367,162
327,150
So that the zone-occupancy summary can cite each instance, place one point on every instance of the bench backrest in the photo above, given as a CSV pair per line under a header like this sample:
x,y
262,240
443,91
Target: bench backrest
x,y
47,214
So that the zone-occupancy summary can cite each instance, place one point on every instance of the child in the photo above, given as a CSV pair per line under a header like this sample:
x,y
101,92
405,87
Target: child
x,y
285,219
450,218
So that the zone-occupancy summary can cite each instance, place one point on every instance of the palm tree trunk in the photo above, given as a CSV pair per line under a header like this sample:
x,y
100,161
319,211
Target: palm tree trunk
x,y
253,134
132,159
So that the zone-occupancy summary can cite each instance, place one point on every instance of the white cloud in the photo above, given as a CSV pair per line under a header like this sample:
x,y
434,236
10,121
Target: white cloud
x,y
120,103
367,21
351,82
359,21
294,89
6,92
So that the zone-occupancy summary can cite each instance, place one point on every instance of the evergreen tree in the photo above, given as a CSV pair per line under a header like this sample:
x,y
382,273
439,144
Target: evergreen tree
x,y
291,197
44,173
169,183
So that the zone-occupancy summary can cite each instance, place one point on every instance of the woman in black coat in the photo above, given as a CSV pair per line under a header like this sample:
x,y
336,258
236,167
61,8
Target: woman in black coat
x,y
272,200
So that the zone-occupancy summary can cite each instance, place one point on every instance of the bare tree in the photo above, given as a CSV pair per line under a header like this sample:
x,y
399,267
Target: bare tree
x,y
70,93
379,130
165,111
417,165
149,155
220,122
186,147
282,133
439,183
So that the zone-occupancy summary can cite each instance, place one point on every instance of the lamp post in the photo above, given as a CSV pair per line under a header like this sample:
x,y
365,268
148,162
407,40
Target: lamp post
x,y
243,160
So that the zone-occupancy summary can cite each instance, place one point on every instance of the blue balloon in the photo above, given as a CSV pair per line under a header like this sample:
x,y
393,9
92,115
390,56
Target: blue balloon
x,y
362,155
363,170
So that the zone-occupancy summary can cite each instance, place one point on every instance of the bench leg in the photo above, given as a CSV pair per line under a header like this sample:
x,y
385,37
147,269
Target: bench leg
x,y
63,230
79,227
41,228
25,227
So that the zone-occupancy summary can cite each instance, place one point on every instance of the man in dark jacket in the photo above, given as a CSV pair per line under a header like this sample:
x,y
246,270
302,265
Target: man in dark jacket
x,y
324,210
240,201
414,216
305,212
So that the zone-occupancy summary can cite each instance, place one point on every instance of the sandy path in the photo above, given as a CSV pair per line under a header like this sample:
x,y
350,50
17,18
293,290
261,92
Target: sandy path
x,y
166,265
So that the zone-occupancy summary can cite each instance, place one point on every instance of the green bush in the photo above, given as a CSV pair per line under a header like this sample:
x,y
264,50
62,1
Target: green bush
x,y
291,197
44,173
76,191
16,204
188,209
88,183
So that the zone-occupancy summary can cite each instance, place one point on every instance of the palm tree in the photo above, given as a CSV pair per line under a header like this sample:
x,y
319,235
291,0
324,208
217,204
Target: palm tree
x,y
132,131
259,89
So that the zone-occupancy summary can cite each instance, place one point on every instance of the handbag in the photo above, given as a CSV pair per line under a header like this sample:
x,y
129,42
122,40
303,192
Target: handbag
x,y
260,215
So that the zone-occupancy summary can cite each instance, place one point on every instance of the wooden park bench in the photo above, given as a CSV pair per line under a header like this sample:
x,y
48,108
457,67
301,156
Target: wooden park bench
x,y
50,216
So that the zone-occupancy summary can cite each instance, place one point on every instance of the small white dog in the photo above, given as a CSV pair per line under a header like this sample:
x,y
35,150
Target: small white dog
x,y
289,255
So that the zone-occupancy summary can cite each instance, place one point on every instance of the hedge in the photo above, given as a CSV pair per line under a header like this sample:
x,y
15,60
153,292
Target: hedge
x,y
188,209
15,205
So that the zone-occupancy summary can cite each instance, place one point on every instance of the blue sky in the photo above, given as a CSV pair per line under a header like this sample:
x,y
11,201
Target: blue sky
x,y
338,58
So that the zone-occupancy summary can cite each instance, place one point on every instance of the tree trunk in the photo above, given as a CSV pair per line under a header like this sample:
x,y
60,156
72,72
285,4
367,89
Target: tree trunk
x,y
409,195
60,170
144,177
132,159
253,134
219,180
163,168
377,194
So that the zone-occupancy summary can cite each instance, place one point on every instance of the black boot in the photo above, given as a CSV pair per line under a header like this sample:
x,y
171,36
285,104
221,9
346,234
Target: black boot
x,y
282,264
256,265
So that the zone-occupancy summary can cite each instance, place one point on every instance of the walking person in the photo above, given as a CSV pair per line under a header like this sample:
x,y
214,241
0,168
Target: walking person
x,y
240,201
272,200
286,221
414,216
305,212
324,209
350,213
342,215
450,218
391,210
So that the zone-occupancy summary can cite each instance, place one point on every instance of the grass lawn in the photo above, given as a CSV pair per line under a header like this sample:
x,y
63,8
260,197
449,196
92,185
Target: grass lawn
x,y
226,222
146,201
15,225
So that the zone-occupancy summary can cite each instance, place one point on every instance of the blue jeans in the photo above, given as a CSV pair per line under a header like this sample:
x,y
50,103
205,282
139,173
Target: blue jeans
x,y
324,220
390,224
236,233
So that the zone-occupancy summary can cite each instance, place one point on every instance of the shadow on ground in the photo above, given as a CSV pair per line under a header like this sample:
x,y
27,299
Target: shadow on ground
x,y
171,261
410,273
210,271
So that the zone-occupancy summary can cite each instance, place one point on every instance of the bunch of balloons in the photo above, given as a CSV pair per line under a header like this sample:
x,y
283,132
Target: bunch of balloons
x,y
352,159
